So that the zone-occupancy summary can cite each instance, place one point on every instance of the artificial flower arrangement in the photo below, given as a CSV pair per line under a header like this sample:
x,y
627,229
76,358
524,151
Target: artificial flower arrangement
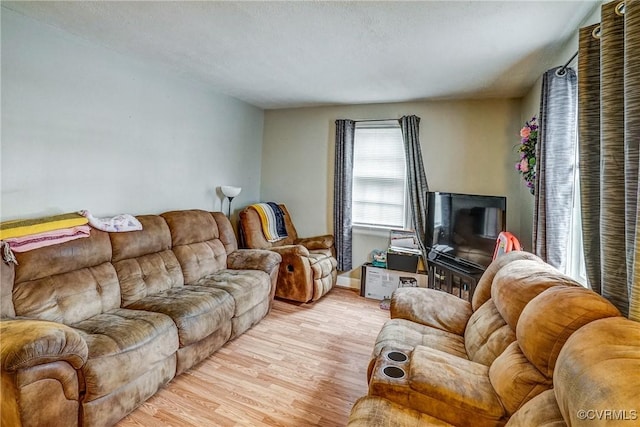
x,y
527,149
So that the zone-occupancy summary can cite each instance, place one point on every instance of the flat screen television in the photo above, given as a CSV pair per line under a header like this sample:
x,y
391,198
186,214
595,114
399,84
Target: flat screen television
x,y
464,227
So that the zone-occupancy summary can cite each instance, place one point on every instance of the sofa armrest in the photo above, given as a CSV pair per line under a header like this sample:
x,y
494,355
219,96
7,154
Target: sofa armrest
x,y
291,250
26,343
432,308
316,242
254,259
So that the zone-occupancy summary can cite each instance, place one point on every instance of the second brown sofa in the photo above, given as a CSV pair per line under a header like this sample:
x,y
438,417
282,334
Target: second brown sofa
x,y
444,361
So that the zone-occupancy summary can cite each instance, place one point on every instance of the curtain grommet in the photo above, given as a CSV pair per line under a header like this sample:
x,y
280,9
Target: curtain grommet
x,y
597,32
620,9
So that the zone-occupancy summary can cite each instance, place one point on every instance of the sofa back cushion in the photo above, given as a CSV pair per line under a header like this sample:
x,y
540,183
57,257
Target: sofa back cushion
x,y
519,282
549,320
227,235
487,334
597,371
541,411
143,260
483,289
526,367
196,243
251,227
67,283
515,379
153,238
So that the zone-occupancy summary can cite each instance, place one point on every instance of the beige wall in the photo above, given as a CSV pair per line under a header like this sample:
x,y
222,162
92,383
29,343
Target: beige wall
x,y
530,106
467,146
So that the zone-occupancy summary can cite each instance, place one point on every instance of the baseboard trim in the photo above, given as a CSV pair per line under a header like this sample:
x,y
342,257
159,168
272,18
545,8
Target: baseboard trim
x,y
348,282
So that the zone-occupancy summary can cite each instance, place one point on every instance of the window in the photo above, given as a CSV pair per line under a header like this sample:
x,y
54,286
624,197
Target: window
x,y
575,265
575,262
379,176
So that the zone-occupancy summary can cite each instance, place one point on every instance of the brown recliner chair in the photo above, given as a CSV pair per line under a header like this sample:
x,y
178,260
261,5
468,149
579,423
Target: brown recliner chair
x,y
308,269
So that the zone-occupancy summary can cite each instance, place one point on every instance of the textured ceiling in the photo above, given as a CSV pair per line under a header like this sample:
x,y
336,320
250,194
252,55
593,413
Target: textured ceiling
x,y
291,54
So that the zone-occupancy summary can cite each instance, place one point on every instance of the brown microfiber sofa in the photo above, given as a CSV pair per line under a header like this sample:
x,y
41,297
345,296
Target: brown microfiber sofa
x,y
92,328
533,348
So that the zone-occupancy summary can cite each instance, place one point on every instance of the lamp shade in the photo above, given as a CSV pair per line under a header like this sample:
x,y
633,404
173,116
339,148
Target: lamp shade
x,y
230,191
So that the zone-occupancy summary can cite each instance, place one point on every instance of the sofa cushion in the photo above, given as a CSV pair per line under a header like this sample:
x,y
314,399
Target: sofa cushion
x,y
200,259
191,226
524,370
252,230
64,257
196,243
487,334
401,334
225,232
602,361
123,345
483,289
541,411
519,282
154,237
416,304
147,275
372,411
461,387
66,283
247,287
549,319
69,297
515,379
197,311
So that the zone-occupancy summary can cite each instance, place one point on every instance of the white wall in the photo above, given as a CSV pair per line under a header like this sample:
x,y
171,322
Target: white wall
x,y
84,127
467,146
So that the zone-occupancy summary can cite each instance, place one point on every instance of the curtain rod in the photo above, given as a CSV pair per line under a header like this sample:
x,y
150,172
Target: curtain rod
x,y
376,120
620,11
563,70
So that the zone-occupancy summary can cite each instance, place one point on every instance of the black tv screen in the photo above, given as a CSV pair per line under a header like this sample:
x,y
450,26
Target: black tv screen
x,y
464,227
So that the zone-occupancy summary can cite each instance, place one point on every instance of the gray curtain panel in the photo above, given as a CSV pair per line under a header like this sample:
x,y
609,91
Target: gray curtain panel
x,y
613,95
589,150
632,152
342,193
556,154
416,178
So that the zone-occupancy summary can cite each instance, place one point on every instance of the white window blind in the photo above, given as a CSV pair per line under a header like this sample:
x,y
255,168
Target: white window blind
x,y
379,177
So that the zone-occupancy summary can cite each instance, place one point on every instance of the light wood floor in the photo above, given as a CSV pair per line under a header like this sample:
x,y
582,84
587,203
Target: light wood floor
x,y
302,365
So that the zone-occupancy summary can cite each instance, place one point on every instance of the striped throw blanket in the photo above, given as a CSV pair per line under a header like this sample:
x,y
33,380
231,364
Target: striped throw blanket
x,y
26,227
272,220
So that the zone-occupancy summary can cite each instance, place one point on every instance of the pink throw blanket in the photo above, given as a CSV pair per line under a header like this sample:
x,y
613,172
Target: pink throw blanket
x,y
48,238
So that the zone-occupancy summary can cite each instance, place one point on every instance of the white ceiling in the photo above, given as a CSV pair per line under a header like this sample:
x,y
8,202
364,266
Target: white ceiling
x,y
291,54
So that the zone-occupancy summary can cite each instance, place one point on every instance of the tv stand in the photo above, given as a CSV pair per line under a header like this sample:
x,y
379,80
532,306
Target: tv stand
x,y
454,277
